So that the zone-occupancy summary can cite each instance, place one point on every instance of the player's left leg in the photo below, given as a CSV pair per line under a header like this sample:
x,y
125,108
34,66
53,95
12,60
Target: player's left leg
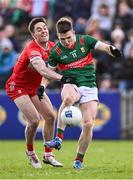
x,y
89,111
46,110
26,106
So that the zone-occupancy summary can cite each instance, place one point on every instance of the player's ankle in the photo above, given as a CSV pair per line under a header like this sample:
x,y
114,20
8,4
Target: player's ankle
x,y
47,154
30,152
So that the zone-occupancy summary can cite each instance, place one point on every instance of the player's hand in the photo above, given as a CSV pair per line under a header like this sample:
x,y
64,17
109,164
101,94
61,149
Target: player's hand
x,y
40,92
115,52
68,80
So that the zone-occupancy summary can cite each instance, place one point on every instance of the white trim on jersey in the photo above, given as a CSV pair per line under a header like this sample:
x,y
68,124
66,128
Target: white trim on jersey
x,y
52,67
97,44
37,57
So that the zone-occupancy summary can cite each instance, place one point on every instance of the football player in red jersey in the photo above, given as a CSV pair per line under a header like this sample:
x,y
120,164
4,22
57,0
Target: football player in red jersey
x,y
22,85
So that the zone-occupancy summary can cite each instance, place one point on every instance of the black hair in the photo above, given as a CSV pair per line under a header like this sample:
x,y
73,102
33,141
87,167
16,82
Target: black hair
x,y
34,21
64,25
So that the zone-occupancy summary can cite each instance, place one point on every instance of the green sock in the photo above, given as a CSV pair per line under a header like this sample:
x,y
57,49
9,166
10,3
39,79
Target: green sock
x,y
60,133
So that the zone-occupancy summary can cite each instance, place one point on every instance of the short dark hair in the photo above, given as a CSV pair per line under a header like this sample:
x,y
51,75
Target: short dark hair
x,y
34,21
64,25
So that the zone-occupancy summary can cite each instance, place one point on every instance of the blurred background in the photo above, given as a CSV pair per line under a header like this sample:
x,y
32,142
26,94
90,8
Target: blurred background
x,y
110,21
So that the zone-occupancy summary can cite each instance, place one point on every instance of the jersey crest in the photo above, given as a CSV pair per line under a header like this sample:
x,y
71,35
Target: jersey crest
x,y
82,49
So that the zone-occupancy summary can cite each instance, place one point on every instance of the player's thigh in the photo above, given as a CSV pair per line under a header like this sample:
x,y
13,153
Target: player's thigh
x,y
89,110
68,90
44,106
25,104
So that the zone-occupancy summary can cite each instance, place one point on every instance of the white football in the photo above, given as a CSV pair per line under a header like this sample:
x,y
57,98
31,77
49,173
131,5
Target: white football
x,y
71,116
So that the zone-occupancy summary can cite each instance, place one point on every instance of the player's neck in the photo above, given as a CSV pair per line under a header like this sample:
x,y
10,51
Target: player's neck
x,y
44,45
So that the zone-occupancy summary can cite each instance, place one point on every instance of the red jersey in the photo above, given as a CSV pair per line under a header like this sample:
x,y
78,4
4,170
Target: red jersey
x,y
24,75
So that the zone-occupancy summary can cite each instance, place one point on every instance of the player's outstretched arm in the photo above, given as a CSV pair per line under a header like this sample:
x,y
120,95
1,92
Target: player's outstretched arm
x,y
40,66
109,49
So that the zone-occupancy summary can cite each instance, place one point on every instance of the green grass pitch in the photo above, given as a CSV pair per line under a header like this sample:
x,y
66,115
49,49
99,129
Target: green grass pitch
x,y
104,160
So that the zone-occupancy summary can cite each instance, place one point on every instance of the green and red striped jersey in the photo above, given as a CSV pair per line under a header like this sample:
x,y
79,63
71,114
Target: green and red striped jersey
x,y
76,62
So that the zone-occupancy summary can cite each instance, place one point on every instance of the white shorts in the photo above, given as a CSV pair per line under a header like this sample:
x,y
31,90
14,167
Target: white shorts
x,y
86,94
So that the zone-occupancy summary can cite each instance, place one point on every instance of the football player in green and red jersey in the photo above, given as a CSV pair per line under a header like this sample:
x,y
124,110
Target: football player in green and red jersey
x,y
72,55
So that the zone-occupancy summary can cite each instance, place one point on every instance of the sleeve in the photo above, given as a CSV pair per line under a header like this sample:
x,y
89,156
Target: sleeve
x,y
91,42
34,53
52,63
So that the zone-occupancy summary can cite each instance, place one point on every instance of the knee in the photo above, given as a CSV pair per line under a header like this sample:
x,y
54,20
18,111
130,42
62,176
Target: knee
x,y
87,128
34,123
88,124
50,119
34,120
68,100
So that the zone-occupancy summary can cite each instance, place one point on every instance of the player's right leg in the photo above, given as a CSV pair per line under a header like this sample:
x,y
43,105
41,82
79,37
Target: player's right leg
x,y
26,106
69,97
